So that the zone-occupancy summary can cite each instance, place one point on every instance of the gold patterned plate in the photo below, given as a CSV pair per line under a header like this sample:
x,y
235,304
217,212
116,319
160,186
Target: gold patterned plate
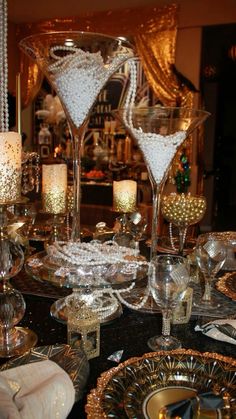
x,y
131,389
227,285
73,361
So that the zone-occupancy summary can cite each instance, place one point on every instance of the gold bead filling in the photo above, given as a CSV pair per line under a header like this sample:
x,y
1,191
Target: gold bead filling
x,y
183,210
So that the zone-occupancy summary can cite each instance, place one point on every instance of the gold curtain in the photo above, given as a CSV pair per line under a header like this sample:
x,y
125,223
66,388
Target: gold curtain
x,y
155,41
31,80
153,29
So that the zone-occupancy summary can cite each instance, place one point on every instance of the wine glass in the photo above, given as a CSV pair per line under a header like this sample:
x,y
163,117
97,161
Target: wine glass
x,y
211,252
168,280
159,132
77,65
183,210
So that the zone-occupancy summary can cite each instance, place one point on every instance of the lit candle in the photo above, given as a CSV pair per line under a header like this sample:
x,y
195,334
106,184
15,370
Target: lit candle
x,y
124,195
10,167
54,188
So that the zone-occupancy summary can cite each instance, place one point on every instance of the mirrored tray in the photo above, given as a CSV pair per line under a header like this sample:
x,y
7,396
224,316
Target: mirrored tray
x,y
73,361
123,391
227,285
39,268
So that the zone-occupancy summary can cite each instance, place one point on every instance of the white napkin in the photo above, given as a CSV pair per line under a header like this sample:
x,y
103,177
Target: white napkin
x,y
215,333
35,391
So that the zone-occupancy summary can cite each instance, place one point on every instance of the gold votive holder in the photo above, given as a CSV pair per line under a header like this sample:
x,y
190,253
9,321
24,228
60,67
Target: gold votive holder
x,y
54,188
10,167
124,196
83,326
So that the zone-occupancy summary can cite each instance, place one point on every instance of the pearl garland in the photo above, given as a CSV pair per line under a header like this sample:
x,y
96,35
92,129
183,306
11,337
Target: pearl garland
x,y
93,253
4,116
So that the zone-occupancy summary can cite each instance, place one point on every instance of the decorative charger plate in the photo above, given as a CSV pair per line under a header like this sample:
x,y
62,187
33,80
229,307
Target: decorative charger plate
x,y
131,389
227,285
73,361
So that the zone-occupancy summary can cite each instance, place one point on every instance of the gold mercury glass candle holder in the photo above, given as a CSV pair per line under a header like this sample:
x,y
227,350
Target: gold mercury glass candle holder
x,y
124,202
183,210
83,326
54,194
10,167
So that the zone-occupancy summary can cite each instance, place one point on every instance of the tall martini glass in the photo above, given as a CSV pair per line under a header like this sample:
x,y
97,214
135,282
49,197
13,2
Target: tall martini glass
x,y
159,132
77,65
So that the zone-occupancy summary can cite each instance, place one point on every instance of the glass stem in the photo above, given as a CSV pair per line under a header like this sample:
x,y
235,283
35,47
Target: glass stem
x,y
207,291
155,217
166,317
77,139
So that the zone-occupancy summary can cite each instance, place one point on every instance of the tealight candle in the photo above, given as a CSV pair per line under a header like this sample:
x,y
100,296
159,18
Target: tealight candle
x,y
54,188
124,195
10,167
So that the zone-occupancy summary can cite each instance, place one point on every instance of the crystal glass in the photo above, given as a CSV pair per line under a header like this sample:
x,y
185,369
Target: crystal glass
x,y
211,252
159,132
183,210
168,280
77,65
13,340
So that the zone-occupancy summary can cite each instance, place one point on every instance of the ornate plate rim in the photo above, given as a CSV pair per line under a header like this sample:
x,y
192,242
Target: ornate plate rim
x,y
222,286
93,407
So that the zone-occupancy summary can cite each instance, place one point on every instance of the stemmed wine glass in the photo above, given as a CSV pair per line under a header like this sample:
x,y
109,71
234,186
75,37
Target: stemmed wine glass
x,y
168,280
211,252
77,65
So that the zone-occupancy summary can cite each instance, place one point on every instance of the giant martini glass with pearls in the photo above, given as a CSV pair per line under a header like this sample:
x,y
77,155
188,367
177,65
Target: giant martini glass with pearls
x,y
77,65
159,132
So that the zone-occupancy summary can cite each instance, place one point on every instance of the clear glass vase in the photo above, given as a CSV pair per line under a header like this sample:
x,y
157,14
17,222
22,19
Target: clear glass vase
x,y
77,65
159,132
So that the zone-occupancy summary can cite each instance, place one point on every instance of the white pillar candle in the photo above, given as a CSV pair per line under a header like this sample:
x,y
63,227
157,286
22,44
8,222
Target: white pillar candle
x,y
124,195
54,188
10,167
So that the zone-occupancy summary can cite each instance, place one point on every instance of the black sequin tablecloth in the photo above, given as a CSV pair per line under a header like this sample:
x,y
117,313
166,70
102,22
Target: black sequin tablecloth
x,y
129,332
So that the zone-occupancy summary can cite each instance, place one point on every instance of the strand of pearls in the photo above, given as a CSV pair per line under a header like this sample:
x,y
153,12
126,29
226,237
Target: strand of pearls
x,y
172,239
157,149
93,253
100,293
131,94
4,116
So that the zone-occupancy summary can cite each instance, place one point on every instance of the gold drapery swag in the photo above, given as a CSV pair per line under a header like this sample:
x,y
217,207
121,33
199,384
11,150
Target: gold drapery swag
x,y
153,30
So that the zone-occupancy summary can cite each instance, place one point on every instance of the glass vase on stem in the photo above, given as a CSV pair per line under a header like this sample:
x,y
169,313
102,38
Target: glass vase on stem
x,y
159,132
77,65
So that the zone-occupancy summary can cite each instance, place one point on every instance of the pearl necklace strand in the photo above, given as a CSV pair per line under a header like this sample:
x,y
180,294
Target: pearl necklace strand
x,y
4,115
92,253
158,150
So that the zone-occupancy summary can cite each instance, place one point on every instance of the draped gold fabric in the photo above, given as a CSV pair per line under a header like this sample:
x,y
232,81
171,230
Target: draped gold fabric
x,y
153,30
155,41
31,78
